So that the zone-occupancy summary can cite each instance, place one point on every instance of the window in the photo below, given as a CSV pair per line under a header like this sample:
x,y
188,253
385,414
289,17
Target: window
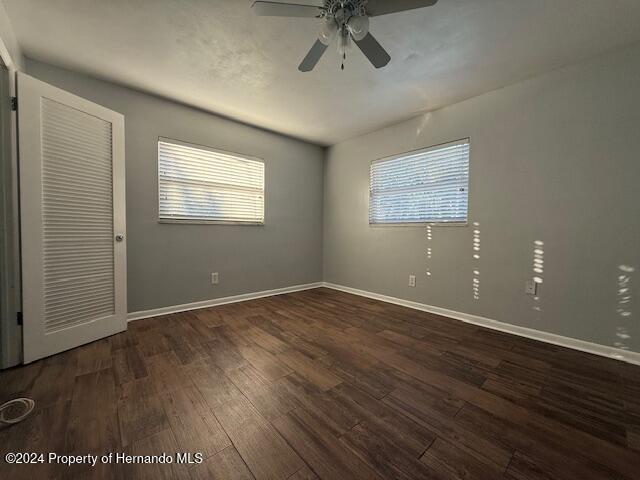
x,y
426,186
199,184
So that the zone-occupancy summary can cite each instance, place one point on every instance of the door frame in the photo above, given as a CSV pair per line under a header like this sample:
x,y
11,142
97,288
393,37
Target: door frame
x,y
10,288
30,91
10,305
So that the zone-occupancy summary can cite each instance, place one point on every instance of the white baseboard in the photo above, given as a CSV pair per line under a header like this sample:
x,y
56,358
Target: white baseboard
x,y
594,348
156,312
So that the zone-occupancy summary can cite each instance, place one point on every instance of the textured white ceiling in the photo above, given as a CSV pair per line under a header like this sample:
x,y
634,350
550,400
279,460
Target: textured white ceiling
x,y
214,54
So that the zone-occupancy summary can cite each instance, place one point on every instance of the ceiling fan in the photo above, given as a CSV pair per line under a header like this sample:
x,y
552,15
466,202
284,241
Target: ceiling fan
x,y
346,19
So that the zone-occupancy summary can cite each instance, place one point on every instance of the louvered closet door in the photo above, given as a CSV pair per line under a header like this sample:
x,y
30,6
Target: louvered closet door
x,y
73,219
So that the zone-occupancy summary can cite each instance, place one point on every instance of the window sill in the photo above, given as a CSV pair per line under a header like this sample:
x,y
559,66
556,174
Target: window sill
x,y
421,224
208,222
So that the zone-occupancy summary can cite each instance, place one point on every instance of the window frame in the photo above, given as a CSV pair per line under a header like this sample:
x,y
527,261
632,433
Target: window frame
x,y
414,152
202,221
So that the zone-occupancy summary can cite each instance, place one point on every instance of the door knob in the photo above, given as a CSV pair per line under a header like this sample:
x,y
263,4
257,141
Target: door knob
x,y
119,237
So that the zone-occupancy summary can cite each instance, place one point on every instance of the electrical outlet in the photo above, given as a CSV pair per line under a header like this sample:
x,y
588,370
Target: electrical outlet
x,y
215,279
531,287
412,280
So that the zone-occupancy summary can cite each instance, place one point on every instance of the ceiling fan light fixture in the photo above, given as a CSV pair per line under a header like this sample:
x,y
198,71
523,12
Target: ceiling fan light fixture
x,y
358,27
328,31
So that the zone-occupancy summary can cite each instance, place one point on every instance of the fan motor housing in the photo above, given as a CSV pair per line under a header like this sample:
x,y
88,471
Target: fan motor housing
x,y
349,7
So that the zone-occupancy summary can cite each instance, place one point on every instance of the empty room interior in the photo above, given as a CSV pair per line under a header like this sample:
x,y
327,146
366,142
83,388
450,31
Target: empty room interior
x,y
320,239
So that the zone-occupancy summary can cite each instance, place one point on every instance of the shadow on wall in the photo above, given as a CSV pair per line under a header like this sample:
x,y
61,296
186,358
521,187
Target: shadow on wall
x,y
625,315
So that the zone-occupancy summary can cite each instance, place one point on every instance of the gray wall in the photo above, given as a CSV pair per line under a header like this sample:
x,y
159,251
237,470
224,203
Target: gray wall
x,y
553,159
171,264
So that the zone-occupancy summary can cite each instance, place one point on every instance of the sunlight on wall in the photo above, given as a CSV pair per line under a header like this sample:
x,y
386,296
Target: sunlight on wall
x,y
424,121
624,306
538,271
429,249
476,260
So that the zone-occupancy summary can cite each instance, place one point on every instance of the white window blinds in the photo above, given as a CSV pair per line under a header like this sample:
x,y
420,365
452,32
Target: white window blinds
x,y
427,186
200,184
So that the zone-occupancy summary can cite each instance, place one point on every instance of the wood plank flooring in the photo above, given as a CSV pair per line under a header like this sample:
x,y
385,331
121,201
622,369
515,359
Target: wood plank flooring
x,y
325,385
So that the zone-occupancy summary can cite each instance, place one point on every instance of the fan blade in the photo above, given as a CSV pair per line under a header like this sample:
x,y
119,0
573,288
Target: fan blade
x,y
313,57
275,9
377,55
383,7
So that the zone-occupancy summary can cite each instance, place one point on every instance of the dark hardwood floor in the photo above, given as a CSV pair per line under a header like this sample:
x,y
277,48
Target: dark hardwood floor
x,y
323,384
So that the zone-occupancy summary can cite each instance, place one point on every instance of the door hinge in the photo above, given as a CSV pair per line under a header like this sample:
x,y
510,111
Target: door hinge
x,y
19,318
14,103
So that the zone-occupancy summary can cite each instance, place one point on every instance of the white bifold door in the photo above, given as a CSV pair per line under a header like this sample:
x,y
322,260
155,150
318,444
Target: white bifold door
x,y
72,210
